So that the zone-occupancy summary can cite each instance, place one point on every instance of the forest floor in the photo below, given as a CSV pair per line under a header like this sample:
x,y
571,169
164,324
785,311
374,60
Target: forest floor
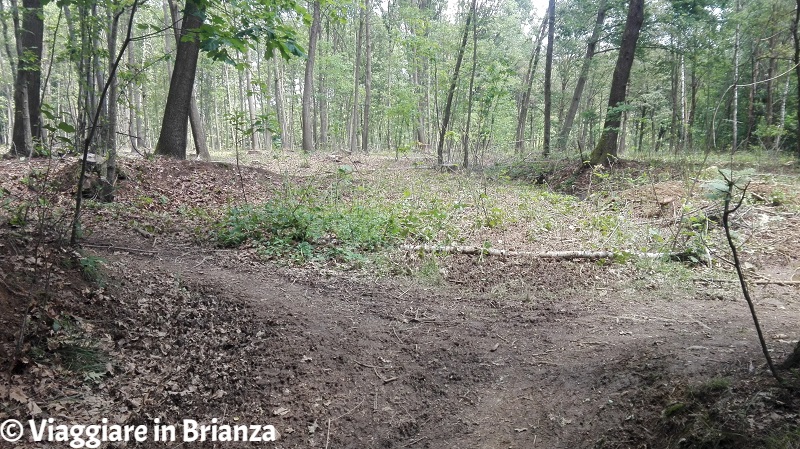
x,y
180,304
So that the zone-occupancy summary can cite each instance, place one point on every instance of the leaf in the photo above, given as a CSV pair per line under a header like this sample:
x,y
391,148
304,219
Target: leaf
x,y
313,427
66,127
17,395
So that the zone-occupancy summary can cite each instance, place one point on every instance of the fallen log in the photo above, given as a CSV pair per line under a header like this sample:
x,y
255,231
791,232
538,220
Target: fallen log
x,y
566,255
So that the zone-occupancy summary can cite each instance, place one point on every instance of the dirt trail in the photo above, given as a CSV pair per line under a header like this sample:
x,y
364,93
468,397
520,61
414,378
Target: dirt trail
x,y
383,364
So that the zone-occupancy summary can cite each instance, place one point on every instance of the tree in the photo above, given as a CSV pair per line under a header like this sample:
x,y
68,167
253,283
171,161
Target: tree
x,y
524,104
172,139
27,123
308,81
367,77
548,77
796,36
606,149
453,83
566,127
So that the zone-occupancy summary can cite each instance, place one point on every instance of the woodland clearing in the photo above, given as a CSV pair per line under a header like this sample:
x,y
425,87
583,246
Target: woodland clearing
x,y
179,304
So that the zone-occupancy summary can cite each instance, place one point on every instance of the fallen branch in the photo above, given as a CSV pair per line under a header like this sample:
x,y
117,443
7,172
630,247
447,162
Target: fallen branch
x,y
477,250
756,282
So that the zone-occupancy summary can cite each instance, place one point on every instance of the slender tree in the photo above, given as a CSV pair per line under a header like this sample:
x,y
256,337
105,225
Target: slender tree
x,y
453,83
796,36
566,127
308,81
548,77
367,77
606,149
525,102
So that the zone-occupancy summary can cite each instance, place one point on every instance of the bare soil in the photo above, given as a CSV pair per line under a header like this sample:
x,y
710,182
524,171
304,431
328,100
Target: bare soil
x,y
500,353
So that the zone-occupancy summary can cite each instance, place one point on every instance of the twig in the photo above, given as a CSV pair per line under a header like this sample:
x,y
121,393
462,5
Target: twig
x,y
349,411
328,434
475,250
739,272
121,248
756,282
412,442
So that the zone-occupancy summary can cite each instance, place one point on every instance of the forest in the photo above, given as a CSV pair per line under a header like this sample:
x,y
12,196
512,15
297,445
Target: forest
x,y
466,81
400,224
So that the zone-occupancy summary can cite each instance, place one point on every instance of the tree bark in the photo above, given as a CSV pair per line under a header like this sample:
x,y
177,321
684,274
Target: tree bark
x,y
548,78
470,92
352,131
367,77
736,43
195,121
525,102
606,149
796,37
451,91
308,82
566,128
280,101
172,139
27,123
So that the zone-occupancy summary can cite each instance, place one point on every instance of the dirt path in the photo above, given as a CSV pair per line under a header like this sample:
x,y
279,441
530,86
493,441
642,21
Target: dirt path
x,y
382,364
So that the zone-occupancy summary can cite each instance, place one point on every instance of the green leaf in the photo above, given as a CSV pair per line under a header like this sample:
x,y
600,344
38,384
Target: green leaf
x,y
66,127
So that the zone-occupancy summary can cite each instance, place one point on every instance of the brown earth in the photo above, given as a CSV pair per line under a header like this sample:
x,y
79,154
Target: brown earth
x,y
498,353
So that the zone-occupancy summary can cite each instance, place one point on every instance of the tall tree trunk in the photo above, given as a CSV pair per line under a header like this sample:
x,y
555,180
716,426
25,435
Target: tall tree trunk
x,y
735,114
172,139
7,39
566,128
453,82
308,82
367,77
195,121
352,130
525,102
27,109
111,112
751,120
470,92
548,78
280,102
606,149
796,37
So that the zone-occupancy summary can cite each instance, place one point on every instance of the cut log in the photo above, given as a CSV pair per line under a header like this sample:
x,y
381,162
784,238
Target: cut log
x,y
566,255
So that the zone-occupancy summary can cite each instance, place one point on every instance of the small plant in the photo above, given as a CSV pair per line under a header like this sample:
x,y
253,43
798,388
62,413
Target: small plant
x,y
430,272
92,269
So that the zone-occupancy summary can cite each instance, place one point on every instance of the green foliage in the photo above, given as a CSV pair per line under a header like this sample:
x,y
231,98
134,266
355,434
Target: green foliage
x,y
302,231
92,269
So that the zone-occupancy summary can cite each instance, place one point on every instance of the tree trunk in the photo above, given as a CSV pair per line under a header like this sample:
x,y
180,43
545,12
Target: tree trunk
x,y
28,80
522,115
6,39
606,149
280,102
566,128
548,78
735,114
470,92
352,130
367,77
308,82
195,121
451,91
796,37
172,139
111,111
